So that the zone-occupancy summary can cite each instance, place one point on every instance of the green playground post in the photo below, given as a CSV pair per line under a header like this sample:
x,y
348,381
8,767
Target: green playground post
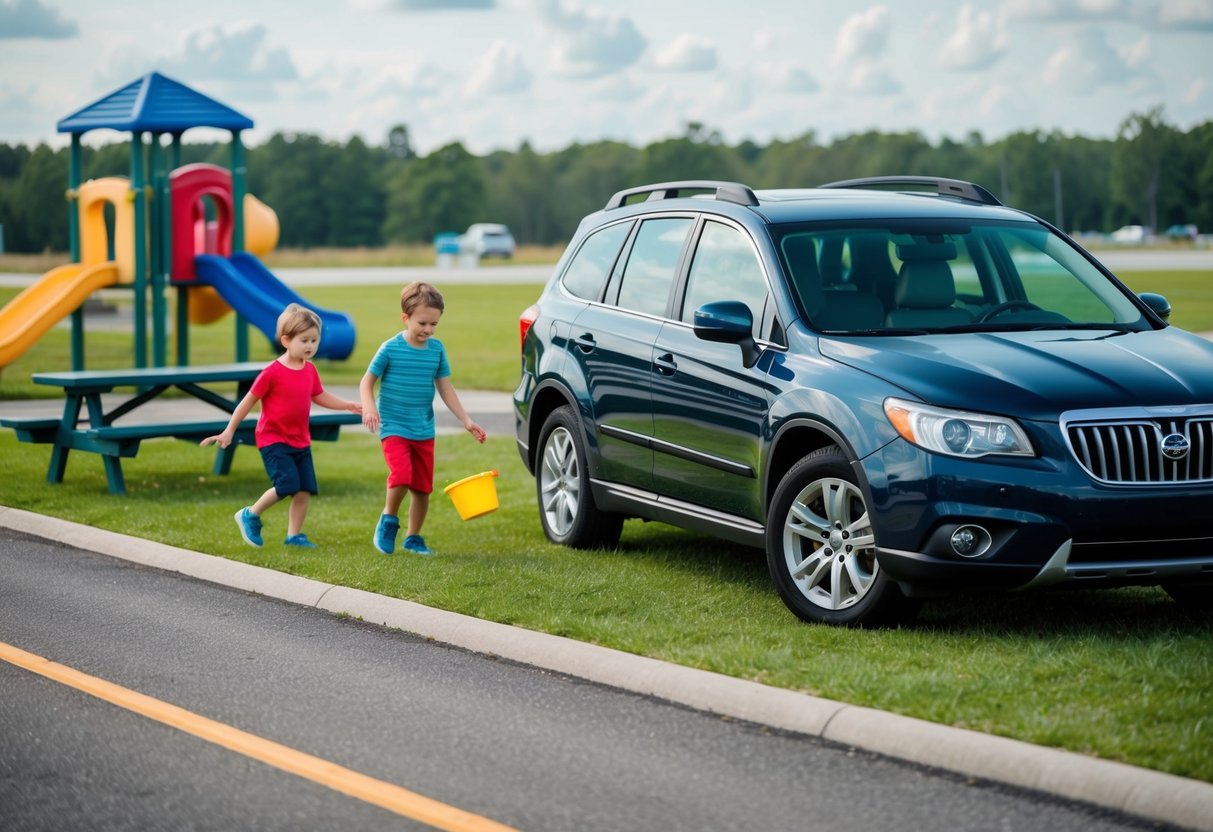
x,y
159,265
137,195
73,231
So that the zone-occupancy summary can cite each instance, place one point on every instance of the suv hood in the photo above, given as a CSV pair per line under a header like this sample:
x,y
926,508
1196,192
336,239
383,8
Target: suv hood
x,y
1038,375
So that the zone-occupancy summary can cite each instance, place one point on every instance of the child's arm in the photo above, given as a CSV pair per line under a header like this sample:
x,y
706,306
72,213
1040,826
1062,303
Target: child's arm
x,y
224,439
370,413
332,402
450,398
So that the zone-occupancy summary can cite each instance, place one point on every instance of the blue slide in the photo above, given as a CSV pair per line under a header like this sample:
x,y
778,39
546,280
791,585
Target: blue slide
x,y
254,292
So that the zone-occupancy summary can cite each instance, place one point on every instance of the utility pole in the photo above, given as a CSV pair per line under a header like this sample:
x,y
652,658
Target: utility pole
x,y
1058,213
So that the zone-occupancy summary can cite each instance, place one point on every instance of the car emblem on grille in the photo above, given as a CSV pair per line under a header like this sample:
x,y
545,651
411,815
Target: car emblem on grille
x,y
1175,446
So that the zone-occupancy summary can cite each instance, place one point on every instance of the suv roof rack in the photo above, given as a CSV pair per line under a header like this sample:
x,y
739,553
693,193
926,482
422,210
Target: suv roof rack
x,y
944,187
724,191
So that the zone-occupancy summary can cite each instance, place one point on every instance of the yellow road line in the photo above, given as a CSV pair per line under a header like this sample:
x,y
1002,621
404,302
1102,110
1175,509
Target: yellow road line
x,y
368,789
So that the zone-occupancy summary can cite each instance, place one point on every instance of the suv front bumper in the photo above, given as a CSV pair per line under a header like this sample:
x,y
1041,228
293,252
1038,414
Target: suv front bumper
x,y
1047,522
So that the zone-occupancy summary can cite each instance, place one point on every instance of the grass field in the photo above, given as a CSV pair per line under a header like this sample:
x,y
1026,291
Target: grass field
x,y
1124,675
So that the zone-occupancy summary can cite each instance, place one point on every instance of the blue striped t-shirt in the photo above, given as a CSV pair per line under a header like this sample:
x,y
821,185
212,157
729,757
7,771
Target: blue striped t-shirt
x,y
406,386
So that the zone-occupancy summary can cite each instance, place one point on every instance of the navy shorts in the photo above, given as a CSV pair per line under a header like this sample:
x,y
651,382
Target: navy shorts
x,y
290,469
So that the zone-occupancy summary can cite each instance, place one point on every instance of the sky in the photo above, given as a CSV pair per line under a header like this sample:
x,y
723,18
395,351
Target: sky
x,y
493,74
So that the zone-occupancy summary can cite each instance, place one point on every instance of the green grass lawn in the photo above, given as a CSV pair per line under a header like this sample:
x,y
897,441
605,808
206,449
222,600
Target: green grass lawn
x,y
479,329
1124,674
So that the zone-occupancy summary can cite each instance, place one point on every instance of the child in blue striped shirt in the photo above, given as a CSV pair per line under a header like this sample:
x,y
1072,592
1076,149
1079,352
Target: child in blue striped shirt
x,y
409,367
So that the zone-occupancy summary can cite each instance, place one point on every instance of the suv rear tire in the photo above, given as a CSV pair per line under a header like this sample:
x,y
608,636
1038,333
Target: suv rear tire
x,y
562,484
821,549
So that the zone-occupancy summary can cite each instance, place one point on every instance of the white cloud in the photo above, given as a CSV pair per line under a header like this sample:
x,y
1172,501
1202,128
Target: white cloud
x,y
1137,55
687,53
767,39
977,42
440,5
589,42
1087,63
1186,14
235,52
618,87
870,79
500,70
788,77
863,36
33,19
1069,10
1195,91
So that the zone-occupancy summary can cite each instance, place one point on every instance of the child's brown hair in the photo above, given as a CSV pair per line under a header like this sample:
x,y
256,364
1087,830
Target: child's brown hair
x,y
418,294
296,319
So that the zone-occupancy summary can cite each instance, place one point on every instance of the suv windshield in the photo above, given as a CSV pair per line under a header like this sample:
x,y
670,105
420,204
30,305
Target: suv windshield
x,y
938,275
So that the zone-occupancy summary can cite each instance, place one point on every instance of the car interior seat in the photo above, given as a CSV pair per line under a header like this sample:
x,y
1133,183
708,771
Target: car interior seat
x,y
828,308
925,294
871,269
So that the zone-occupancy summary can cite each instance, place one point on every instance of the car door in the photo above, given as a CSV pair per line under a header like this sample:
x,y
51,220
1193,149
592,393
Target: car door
x,y
709,410
612,341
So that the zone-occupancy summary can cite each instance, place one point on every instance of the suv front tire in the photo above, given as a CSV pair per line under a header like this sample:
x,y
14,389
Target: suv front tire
x,y
821,549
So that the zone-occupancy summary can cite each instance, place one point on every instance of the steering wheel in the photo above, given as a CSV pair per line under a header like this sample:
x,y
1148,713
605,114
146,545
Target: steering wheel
x,y
1007,306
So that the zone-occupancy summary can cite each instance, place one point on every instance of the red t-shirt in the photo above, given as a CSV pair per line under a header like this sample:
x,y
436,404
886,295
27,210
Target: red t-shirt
x,y
286,404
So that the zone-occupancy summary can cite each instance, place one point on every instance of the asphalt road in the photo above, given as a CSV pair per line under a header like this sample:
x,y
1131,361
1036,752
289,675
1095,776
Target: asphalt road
x,y
511,743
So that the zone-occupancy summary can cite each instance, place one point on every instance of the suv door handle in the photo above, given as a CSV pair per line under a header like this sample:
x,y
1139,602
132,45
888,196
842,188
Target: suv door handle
x,y
585,342
665,364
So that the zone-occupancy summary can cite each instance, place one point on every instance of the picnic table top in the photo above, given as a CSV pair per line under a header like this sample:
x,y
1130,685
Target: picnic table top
x,y
198,374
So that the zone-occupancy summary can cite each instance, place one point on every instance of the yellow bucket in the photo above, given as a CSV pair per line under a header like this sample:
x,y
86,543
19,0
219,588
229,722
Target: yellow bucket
x,y
474,496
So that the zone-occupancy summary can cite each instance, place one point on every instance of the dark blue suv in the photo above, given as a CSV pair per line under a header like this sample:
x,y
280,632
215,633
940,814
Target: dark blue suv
x,y
898,387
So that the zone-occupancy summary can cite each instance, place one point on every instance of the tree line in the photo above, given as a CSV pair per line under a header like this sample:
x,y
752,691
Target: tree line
x,y
353,194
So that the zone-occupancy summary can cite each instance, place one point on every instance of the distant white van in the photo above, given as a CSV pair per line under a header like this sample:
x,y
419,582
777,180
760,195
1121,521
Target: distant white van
x,y
1130,234
487,239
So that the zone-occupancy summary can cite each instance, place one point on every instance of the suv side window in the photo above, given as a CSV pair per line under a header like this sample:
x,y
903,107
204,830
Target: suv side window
x,y
725,268
594,260
651,265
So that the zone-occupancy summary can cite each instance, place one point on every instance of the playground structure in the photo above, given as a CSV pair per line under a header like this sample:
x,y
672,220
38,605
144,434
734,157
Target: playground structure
x,y
162,236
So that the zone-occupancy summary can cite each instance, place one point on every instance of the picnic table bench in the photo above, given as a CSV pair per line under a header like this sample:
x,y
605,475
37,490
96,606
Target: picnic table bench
x,y
98,434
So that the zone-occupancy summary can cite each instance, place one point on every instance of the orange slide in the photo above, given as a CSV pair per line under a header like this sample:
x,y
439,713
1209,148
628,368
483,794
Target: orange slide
x,y
27,317
61,291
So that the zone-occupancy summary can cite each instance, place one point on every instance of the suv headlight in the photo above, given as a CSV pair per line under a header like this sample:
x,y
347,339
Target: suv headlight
x,y
957,432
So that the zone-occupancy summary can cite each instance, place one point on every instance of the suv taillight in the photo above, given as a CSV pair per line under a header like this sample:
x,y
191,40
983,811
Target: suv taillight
x,y
525,320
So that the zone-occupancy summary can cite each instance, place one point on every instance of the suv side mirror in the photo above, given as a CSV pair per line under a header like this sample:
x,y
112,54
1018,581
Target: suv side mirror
x,y
728,322
1158,304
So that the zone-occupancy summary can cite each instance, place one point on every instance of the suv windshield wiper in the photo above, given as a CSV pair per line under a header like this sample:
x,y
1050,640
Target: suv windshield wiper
x,y
881,331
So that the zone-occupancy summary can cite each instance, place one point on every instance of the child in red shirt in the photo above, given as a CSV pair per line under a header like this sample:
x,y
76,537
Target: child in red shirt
x,y
286,389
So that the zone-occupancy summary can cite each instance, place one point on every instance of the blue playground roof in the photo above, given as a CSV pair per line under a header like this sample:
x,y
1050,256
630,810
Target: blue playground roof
x,y
154,104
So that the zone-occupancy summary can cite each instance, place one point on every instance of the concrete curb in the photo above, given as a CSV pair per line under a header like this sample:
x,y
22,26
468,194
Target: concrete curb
x,y
1141,792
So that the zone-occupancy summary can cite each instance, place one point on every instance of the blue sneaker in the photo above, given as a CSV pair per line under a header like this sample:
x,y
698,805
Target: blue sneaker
x,y
250,527
415,543
385,533
299,540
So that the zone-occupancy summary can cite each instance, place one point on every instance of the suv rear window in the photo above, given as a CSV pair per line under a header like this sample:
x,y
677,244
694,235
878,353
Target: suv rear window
x,y
594,260
651,265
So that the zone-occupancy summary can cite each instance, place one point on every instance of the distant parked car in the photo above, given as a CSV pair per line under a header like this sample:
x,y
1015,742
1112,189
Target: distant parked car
x,y
1131,234
487,239
1182,232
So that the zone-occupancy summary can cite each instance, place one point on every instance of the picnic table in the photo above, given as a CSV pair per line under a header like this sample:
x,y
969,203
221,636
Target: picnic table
x,y
99,434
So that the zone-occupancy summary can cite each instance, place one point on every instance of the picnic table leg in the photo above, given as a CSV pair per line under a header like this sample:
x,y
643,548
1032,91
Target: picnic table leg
x,y
71,415
113,465
223,459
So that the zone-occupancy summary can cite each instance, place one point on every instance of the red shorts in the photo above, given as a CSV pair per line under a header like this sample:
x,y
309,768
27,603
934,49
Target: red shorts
x,y
410,462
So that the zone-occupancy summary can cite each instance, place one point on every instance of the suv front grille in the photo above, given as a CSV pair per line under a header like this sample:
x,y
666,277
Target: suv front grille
x,y
1131,451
